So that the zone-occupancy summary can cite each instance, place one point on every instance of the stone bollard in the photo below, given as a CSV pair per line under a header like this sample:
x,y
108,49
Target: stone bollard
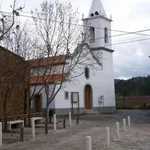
x,y
2,125
70,119
124,124
88,143
107,136
54,122
117,130
0,134
129,121
33,127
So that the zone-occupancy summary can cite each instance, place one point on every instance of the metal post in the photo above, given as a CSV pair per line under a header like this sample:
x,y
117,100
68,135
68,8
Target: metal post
x,y
124,102
107,136
78,119
0,134
2,125
64,123
124,93
21,134
117,130
88,143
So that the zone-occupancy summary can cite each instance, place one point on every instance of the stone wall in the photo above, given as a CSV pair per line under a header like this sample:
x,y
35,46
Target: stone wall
x,y
136,102
12,83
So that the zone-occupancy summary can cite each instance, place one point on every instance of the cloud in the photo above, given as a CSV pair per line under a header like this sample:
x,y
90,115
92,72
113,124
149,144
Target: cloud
x,y
129,59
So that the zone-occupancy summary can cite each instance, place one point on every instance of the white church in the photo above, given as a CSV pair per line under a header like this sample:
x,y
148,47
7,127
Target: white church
x,y
93,92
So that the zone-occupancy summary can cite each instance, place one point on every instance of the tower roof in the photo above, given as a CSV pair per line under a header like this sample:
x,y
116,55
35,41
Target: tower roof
x,y
97,7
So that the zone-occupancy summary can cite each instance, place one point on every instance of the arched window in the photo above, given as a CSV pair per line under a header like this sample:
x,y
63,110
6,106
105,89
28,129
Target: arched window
x,y
87,73
92,34
96,13
106,35
92,15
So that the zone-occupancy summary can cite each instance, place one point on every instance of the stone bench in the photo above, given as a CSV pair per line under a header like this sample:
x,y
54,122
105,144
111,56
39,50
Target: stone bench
x,y
37,120
17,123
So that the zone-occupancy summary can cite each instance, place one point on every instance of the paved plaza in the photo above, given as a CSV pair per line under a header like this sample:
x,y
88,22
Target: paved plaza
x,y
73,138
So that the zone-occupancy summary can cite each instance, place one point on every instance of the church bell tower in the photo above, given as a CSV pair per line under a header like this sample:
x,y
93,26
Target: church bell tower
x,y
97,27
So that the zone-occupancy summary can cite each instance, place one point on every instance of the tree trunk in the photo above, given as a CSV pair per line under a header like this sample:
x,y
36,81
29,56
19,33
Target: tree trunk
x,y
47,113
5,119
29,114
29,107
25,107
5,114
47,118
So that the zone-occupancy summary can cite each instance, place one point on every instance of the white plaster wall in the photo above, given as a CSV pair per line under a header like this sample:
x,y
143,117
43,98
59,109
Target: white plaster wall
x,y
73,86
48,71
99,25
102,82
43,95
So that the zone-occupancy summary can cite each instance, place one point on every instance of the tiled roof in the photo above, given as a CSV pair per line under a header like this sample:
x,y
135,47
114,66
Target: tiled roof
x,y
44,62
49,78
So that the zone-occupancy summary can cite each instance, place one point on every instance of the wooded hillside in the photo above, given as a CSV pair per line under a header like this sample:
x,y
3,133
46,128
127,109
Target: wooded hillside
x,y
138,86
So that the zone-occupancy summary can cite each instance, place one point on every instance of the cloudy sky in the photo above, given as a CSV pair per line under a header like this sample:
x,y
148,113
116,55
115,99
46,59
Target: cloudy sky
x,y
130,59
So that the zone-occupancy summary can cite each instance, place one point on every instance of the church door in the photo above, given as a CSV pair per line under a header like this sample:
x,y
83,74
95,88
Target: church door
x,y
88,97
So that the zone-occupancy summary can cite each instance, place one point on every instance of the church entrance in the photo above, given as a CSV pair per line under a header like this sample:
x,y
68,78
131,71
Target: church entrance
x,y
88,97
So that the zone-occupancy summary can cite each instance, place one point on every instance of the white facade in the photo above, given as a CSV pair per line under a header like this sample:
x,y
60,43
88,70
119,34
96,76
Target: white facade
x,y
101,80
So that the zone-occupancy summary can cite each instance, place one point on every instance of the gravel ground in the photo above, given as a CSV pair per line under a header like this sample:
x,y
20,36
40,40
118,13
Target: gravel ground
x,y
73,138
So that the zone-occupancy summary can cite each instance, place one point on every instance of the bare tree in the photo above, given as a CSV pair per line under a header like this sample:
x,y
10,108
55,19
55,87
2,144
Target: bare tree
x,y
10,77
7,22
23,43
59,34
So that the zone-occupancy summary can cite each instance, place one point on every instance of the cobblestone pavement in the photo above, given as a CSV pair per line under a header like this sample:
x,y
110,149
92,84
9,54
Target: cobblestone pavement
x,y
73,138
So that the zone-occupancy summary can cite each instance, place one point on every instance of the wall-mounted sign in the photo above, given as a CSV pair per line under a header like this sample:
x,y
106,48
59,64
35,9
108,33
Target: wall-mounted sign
x,y
101,99
75,97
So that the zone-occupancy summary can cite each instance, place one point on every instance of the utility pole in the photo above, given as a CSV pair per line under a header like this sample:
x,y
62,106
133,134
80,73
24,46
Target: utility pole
x,y
123,92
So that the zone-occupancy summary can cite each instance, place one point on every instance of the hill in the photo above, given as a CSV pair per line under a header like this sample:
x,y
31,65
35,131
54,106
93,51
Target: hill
x,y
137,86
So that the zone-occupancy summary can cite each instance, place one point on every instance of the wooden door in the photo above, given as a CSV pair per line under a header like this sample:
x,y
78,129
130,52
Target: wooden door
x,y
87,97
38,103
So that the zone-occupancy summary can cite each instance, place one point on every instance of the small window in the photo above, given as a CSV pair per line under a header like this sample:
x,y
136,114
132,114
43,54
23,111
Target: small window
x,y
66,95
96,13
106,35
92,35
87,73
92,15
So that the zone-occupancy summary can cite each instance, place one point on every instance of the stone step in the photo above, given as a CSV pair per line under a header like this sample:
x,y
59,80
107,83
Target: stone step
x,y
90,112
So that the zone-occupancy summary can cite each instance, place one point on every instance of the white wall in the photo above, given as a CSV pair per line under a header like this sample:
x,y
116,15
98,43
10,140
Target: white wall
x,y
102,82
99,23
74,86
43,95
48,71
101,79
